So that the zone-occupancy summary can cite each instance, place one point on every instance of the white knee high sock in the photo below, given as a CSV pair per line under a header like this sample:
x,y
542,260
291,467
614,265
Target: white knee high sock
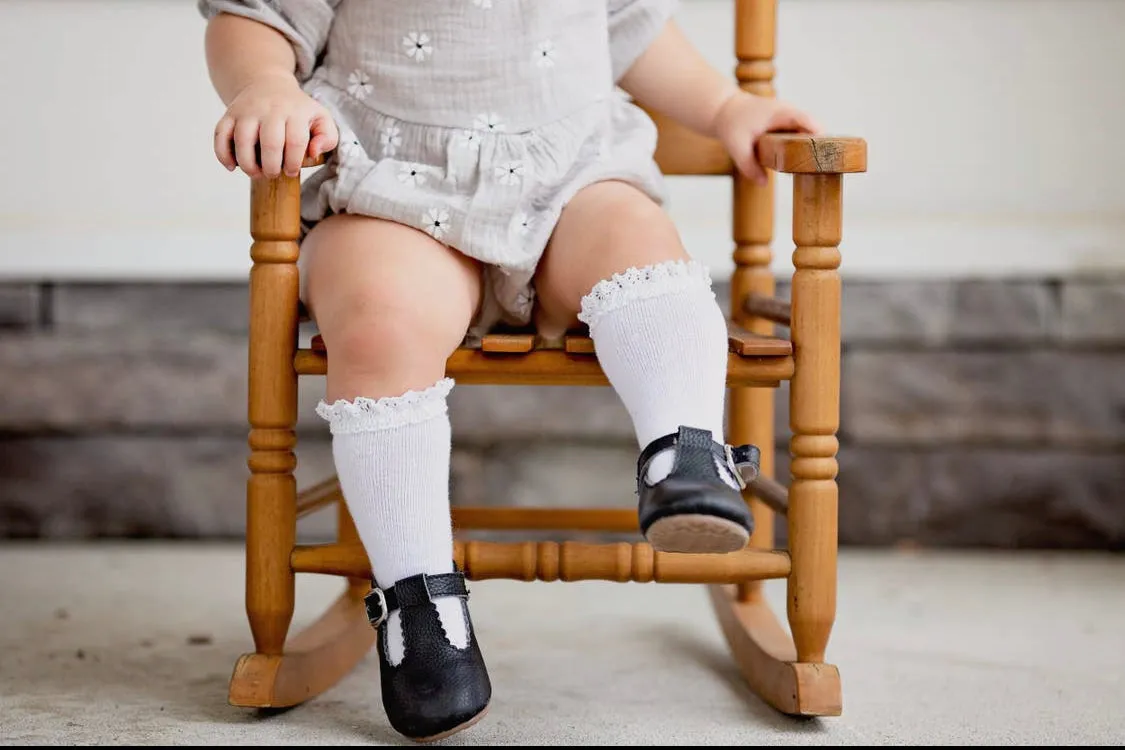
x,y
392,459
661,339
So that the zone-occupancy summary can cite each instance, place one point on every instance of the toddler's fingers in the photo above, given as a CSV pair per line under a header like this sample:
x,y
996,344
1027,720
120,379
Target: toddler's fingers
x,y
748,163
807,124
223,150
792,120
296,143
272,138
245,143
325,136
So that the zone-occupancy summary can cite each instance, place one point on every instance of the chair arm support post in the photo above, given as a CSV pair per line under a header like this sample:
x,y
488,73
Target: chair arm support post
x,y
814,408
271,495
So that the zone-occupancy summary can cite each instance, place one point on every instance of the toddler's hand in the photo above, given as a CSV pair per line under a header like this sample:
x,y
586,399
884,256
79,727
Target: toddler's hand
x,y
275,116
745,118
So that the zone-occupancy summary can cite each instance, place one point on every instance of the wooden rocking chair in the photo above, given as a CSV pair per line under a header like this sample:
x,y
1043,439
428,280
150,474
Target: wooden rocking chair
x,y
789,673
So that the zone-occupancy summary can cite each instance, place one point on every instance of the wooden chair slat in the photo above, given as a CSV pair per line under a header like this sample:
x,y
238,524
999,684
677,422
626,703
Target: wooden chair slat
x,y
507,343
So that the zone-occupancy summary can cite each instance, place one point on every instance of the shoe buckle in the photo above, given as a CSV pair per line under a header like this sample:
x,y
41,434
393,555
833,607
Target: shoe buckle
x,y
381,602
742,465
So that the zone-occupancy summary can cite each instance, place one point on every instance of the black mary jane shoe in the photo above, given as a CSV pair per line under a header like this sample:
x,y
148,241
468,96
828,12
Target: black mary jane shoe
x,y
693,509
437,689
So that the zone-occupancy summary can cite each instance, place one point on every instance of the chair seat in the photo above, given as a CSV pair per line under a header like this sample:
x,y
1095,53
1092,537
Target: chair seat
x,y
521,357
742,342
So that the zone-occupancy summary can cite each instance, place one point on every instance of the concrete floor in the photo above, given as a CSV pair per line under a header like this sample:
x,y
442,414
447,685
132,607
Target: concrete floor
x,y
134,644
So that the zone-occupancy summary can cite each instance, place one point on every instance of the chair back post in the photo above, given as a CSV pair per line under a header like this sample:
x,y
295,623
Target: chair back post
x,y
752,409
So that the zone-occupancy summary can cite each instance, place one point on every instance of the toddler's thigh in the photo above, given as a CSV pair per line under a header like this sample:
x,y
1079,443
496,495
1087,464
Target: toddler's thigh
x,y
607,228
368,272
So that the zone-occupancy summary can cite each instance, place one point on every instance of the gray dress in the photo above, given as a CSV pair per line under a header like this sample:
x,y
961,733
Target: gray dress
x,y
475,121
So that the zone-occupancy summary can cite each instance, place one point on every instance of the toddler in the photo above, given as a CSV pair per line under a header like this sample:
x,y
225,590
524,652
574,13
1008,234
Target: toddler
x,y
486,163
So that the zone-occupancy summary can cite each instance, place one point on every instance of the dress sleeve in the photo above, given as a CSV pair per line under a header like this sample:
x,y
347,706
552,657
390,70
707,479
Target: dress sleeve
x,y
633,26
305,23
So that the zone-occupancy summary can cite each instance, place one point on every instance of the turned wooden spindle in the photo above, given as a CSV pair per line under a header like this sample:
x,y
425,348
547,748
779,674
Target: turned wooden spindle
x,y
271,494
564,561
814,408
752,409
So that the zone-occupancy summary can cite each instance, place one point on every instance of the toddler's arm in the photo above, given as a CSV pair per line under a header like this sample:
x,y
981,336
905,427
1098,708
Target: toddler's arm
x,y
241,52
257,50
304,23
671,77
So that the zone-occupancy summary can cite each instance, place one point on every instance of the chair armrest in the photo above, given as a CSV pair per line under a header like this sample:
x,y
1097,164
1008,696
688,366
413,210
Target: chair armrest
x,y
798,153
792,153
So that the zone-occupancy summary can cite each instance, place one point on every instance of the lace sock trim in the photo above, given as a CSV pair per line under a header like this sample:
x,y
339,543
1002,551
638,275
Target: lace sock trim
x,y
670,277
368,415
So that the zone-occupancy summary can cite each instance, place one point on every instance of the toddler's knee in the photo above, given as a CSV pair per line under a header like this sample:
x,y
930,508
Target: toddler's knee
x,y
385,334
639,226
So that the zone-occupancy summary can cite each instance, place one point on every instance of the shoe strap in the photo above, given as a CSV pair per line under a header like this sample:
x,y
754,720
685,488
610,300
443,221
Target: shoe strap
x,y
415,591
745,461
696,453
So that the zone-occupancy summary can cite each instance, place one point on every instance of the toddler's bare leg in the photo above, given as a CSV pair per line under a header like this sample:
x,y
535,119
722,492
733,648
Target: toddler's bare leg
x,y
607,228
391,302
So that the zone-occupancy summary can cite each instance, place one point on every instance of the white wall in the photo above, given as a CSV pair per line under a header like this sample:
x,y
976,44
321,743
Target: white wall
x,y
993,127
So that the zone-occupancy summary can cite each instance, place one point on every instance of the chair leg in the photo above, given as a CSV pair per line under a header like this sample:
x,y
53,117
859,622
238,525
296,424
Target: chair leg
x,y
271,497
751,409
270,536
762,649
271,493
814,413
272,410
790,673
319,656
751,421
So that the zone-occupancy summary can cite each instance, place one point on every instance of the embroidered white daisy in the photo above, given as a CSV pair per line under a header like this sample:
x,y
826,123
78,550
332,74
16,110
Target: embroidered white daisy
x,y
523,299
359,84
436,222
412,175
418,45
509,173
524,223
391,139
545,54
489,121
486,4
467,139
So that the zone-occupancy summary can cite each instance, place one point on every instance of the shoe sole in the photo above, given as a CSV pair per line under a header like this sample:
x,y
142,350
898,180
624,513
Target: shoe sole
x,y
696,533
454,730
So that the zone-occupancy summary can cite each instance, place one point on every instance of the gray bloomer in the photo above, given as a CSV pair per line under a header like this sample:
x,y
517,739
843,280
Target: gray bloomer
x,y
475,121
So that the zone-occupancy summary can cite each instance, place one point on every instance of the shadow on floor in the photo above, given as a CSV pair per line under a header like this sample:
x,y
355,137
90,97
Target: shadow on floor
x,y
721,664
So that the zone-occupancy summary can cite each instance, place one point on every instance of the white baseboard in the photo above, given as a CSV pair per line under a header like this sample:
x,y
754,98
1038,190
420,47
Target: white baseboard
x,y
871,250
